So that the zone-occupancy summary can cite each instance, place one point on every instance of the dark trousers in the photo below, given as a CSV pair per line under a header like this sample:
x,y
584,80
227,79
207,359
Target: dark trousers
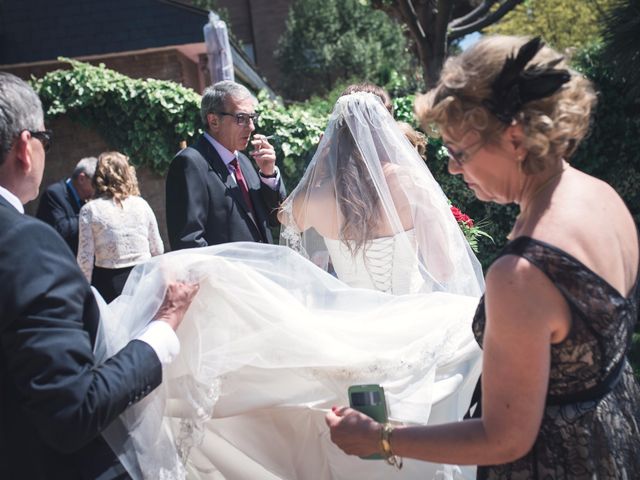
x,y
110,281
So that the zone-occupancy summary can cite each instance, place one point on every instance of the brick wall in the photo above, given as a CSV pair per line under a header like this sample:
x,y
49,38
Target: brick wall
x,y
73,141
260,22
179,64
269,21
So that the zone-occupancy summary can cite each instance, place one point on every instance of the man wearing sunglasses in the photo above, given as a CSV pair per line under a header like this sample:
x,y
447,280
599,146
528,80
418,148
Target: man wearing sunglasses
x,y
214,193
61,202
58,393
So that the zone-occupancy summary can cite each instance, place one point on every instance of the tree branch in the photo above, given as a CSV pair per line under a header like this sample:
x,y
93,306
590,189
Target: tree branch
x,y
487,19
480,10
389,9
441,22
411,18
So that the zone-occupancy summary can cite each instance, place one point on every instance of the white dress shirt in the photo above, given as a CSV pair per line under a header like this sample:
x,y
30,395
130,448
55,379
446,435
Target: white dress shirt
x,y
12,199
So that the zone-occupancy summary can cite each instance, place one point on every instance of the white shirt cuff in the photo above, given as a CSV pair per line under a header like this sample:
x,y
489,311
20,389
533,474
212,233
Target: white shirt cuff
x,y
272,183
164,341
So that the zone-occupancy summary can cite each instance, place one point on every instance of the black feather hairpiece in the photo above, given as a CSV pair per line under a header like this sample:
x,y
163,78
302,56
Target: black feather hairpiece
x,y
516,85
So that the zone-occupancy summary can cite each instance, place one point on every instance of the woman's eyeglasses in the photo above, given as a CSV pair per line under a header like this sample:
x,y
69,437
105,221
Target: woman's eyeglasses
x,y
243,118
45,137
463,155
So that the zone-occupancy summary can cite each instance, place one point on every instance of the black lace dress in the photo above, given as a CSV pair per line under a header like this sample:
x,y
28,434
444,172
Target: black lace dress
x,y
591,423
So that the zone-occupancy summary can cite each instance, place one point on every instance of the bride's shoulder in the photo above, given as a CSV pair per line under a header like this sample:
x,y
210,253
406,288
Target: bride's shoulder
x,y
321,194
398,173
391,169
398,179
312,207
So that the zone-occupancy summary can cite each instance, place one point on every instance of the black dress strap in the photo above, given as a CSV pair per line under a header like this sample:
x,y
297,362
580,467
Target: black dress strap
x,y
476,402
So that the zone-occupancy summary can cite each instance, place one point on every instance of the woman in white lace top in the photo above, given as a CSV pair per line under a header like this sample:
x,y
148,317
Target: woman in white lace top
x,y
118,229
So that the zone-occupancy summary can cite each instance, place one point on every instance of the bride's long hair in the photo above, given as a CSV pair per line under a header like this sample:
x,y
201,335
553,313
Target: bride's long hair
x,y
357,196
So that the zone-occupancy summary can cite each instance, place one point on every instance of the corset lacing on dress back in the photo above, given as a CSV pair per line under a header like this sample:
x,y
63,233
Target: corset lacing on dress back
x,y
387,264
377,260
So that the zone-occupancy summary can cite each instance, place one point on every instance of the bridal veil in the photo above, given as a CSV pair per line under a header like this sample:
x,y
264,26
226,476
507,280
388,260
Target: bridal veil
x,y
272,341
366,181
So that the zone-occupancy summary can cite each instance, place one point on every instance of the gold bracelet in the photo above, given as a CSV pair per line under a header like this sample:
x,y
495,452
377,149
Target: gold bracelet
x,y
385,446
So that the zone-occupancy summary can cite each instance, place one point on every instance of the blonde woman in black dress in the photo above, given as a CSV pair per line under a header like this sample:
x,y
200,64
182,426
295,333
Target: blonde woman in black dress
x,y
559,398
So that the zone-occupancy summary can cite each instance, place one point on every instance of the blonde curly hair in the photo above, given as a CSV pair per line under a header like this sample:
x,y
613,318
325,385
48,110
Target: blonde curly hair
x,y
553,126
115,177
415,137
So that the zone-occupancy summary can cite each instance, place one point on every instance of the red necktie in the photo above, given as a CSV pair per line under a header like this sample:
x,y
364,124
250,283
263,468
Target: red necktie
x,y
242,183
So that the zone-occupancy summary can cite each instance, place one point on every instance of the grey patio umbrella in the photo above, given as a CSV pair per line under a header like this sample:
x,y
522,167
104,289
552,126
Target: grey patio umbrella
x,y
216,38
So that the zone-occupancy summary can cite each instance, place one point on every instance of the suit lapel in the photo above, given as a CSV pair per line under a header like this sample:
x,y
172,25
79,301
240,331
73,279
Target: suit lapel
x,y
247,170
218,166
254,183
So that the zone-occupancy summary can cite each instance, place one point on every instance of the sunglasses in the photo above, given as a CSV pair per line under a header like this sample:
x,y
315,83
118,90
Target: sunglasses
x,y
464,155
45,137
243,118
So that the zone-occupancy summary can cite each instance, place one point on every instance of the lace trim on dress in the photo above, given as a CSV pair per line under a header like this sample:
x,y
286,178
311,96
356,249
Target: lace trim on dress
x,y
191,429
290,235
115,235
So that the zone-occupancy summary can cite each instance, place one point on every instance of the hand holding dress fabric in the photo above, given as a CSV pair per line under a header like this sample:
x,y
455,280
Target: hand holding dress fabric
x,y
354,432
269,344
176,301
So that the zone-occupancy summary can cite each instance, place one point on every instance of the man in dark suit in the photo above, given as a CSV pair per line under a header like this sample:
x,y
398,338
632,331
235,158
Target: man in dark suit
x,y
61,202
56,397
214,194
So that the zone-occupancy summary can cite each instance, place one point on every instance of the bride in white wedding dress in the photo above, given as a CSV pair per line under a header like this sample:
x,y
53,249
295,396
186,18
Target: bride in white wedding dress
x,y
272,341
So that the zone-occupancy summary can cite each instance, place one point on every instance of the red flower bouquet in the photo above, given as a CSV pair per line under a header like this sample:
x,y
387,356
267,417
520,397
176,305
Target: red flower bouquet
x,y
470,229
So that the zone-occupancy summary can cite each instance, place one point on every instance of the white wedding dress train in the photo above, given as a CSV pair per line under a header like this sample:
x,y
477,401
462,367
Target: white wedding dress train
x,y
269,344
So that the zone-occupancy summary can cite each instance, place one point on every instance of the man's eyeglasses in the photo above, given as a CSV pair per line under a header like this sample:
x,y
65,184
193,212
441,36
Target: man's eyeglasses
x,y
243,118
463,156
45,137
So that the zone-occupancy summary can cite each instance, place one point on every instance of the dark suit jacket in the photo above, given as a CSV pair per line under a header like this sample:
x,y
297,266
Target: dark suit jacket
x,y
55,398
206,207
58,208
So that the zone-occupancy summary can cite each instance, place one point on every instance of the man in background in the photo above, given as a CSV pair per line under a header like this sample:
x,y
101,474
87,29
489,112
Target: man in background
x,y
61,202
214,193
